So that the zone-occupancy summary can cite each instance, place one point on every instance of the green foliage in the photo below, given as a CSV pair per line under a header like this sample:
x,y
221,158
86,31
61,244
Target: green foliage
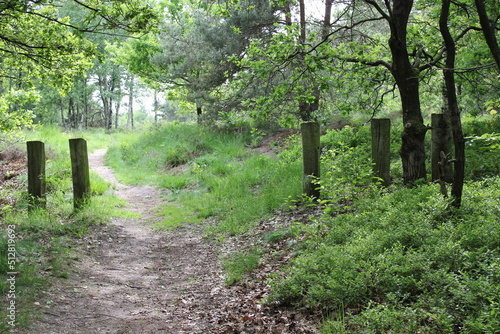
x,y
346,165
482,156
14,112
480,126
401,261
240,263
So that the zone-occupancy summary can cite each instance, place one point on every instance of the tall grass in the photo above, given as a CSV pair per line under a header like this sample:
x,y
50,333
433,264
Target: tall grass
x,y
209,174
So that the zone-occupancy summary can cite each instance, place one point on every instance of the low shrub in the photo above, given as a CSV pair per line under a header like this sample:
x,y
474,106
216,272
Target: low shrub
x,y
401,261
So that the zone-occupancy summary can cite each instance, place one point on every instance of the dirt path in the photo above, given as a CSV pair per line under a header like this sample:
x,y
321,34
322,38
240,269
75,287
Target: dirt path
x,y
133,279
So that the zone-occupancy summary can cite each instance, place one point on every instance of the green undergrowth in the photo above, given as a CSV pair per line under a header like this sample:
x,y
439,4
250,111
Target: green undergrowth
x,y
238,264
45,240
210,174
402,261
397,260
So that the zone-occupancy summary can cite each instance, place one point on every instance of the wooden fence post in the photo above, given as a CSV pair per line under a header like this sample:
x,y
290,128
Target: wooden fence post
x,y
36,173
441,139
80,171
381,150
310,158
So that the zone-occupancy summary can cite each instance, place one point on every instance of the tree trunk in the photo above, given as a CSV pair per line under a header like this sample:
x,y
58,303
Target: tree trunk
x,y
488,30
381,150
130,115
407,78
199,112
310,159
63,119
306,109
441,144
86,108
117,113
109,114
156,105
456,124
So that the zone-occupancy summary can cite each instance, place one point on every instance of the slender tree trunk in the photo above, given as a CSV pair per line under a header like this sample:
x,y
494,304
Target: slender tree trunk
x,y
72,117
302,11
407,78
61,107
156,105
199,112
130,118
106,102
288,14
117,113
86,108
489,33
456,124
109,118
307,108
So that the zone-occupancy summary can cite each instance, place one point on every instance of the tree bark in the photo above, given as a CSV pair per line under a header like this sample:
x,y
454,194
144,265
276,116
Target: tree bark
x,y
310,159
156,105
441,143
381,150
407,78
199,112
456,124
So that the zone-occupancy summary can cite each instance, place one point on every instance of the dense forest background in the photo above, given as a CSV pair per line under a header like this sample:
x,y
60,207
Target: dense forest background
x,y
82,64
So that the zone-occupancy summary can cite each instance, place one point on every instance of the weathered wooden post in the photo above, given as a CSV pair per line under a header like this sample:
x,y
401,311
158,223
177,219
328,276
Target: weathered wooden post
x,y
80,171
381,150
310,158
36,173
441,147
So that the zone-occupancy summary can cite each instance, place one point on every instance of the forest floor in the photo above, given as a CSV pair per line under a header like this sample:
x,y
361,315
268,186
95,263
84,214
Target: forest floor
x,y
131,278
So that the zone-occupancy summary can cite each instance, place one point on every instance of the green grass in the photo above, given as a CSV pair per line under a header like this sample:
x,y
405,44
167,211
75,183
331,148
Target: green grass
x,y
209,173
175,216
240,263
239,192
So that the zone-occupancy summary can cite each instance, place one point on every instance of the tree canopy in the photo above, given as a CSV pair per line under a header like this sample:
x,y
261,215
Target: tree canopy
x,y
49,40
